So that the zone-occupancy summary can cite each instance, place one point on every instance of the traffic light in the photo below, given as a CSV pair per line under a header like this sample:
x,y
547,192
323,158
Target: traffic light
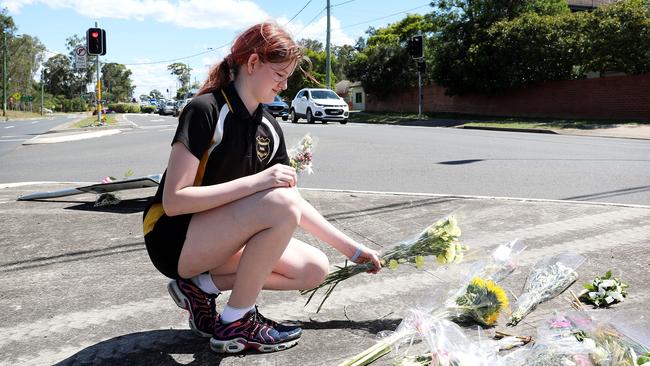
x,y
416,47
96,41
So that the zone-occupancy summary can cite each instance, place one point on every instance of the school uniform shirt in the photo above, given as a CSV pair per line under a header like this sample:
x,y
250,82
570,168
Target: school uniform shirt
x,y
229,142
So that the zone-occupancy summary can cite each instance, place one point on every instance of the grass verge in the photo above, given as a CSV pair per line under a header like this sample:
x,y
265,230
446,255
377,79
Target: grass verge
x,y
92,121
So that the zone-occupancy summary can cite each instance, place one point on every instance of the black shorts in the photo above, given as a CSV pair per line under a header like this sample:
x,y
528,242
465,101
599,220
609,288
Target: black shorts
x,y
165,242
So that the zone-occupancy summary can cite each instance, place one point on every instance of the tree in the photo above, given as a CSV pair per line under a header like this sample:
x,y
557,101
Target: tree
x,y
619,37
382,62
309,74
311,44
463,59
155,94
117,82
57,75
182,72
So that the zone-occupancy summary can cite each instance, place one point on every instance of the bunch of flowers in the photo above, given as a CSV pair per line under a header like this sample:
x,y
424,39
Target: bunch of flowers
x,y
547,279
300,155
604,291
482,302
439,239
479,301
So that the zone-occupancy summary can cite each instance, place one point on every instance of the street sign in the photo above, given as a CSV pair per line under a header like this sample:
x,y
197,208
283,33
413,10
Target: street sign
x,y
80,54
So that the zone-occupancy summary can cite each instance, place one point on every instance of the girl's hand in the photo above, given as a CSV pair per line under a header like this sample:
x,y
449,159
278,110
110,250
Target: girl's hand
x,y
364,254
279,175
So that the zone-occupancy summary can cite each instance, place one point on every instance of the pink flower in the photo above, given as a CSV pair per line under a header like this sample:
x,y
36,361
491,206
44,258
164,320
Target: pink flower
x,y
107,179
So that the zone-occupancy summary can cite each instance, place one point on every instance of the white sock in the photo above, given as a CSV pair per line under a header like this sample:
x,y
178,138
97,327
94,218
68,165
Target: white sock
x,y
205,283
231,314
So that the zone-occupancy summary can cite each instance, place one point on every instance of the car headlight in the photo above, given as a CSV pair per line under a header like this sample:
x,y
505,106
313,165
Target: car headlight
x,y
318,105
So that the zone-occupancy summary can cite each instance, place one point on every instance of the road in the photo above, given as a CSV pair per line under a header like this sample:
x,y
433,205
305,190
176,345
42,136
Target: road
x,y
14,133
383,158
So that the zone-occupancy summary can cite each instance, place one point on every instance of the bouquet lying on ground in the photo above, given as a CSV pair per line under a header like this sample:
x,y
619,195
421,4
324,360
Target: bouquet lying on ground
x,y
547,279
613,342
439,239
604,291
480,300
300,155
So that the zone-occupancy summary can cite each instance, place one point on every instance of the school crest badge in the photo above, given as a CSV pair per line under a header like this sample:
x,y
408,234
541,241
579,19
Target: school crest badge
x,y
262,147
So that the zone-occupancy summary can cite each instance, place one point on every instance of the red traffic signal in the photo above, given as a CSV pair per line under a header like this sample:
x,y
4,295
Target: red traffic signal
x,y
96,41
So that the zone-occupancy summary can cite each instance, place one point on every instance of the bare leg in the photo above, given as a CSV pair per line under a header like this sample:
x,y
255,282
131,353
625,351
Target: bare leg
x,y
300,267
263,222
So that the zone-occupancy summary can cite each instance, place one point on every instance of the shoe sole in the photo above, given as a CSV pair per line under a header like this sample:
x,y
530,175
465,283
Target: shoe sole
x,y
240,344
183,302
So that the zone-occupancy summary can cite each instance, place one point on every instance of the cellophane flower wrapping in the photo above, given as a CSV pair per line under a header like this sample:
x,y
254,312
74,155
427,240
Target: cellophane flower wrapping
x,y
439,239
618,340
498,265
301,155
548,278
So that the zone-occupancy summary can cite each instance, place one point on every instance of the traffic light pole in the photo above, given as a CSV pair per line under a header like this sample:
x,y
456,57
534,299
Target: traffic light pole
x,y
99,92
419,95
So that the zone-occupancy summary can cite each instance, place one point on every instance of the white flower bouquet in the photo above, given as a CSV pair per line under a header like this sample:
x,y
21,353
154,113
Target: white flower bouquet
x,y
547,279
604,291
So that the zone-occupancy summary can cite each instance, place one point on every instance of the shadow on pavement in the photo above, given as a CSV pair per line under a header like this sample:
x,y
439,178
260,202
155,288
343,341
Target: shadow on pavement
x,y
165,347
127,206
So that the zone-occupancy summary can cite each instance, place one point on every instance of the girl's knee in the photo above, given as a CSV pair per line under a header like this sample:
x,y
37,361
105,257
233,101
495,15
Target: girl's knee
x,y
316,269
284,203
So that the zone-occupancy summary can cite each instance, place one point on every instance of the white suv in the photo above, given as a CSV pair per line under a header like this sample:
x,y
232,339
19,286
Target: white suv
x,y
318,105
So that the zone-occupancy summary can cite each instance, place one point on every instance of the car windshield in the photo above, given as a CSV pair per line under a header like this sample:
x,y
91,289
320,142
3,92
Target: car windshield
x,y
323,94
277,99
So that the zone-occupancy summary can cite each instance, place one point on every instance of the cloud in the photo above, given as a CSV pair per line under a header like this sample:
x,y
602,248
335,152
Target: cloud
x,y
149,77
199,14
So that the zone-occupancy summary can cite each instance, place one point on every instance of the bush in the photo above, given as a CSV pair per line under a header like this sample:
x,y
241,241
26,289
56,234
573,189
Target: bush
x,y
148,109
124,107
73,105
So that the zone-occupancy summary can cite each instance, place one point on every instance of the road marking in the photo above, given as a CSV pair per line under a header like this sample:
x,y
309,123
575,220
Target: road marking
x,y
12,140
9,127
157,120
70,137
35,122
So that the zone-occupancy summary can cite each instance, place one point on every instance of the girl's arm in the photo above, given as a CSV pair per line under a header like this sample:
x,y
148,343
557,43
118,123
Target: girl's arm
x,y
312,221
180,196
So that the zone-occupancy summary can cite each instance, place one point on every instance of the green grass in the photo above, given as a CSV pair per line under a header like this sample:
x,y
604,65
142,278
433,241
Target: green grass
x,y
483,121
92,121
20,114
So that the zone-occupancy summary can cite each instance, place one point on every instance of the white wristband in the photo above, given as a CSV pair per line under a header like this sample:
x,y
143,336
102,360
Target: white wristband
x,y
356,255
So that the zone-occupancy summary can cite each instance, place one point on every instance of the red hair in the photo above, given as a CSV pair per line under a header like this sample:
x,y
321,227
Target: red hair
x,y
268,40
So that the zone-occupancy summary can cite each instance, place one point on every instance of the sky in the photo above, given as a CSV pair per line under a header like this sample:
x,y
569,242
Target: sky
x,y
148,35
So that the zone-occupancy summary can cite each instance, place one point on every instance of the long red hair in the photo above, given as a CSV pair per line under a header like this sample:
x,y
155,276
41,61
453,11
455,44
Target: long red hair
x,y
268,40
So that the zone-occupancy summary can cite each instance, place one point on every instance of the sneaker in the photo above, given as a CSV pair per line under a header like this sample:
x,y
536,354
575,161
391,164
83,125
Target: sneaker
x,y
253,331
199,304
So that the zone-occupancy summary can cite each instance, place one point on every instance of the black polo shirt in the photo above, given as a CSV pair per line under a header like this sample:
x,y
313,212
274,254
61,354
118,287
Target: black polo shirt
x,y
229,142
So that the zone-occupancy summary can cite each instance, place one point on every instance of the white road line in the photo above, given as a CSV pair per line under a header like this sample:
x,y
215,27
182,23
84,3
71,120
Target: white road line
x,y
13,140
9,126
34,122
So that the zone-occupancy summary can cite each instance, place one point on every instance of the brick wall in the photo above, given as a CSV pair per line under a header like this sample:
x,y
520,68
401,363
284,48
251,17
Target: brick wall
x,y
611,97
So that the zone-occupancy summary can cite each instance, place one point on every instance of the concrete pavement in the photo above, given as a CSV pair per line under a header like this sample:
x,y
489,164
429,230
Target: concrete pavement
x,y
78,288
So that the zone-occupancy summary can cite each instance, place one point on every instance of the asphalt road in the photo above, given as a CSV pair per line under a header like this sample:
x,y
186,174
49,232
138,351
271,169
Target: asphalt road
x,y
14,133
383,158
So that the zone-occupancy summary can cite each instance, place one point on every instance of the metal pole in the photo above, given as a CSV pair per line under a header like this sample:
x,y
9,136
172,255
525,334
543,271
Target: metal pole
x,y
419,95
99,92
328,80
4,74
42,92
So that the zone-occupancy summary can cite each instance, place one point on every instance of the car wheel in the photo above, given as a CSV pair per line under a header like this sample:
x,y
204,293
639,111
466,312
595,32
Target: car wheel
x,y
284,118
310,118
344,121
292,116
323,122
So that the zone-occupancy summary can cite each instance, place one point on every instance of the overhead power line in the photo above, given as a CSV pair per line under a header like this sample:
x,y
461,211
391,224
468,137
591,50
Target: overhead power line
x,y
300,11
386,16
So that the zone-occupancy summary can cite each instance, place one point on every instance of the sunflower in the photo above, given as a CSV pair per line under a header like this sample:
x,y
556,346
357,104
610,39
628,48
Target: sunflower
x,y
482,302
